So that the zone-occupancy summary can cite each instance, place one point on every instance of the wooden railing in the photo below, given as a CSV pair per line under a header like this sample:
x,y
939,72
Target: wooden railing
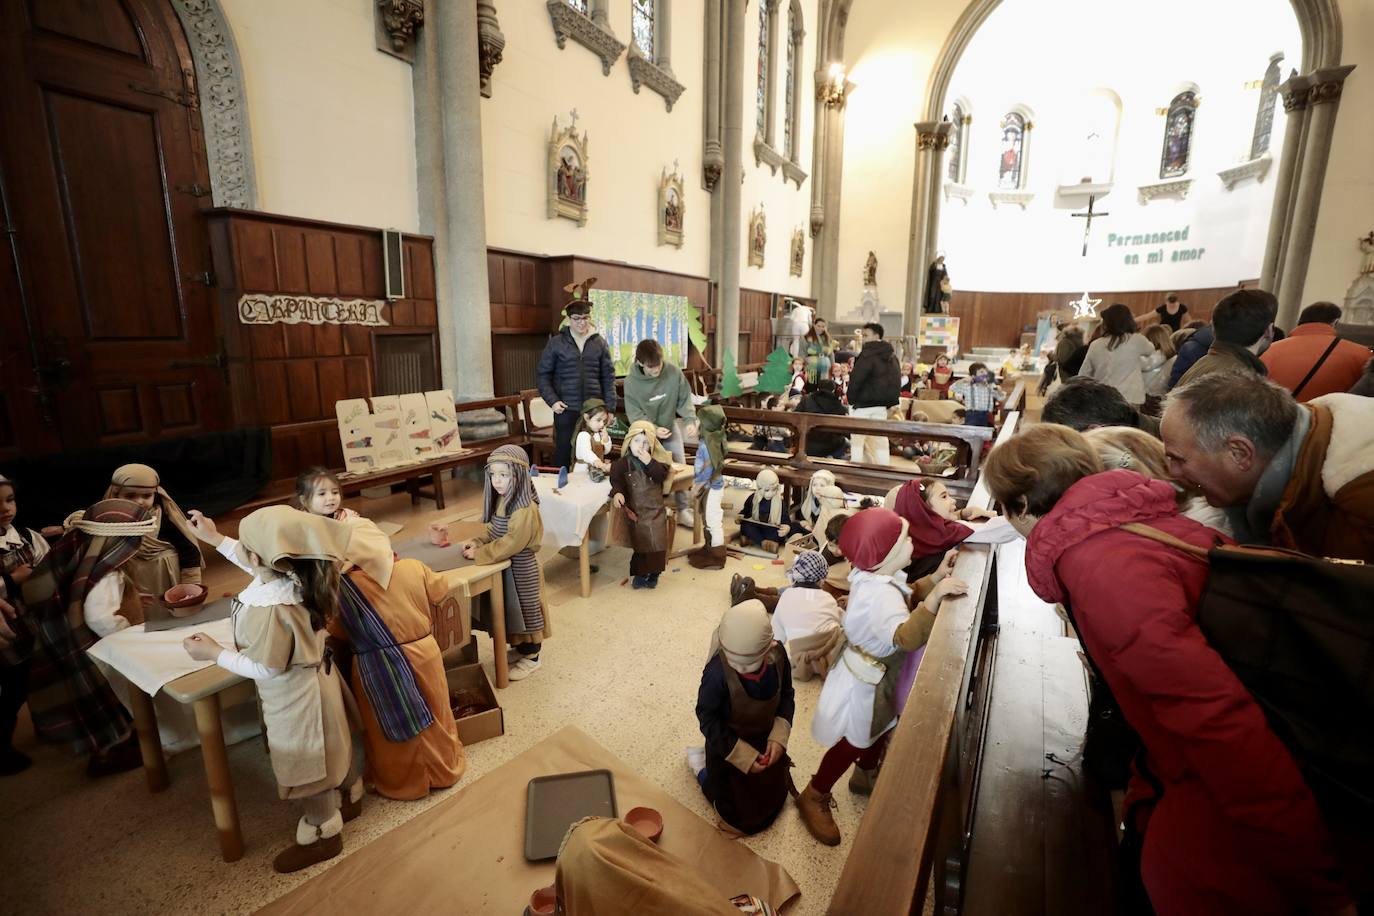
x,y
913,840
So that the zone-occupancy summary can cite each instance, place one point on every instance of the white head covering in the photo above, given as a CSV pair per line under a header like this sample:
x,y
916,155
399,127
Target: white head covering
x,y
745,634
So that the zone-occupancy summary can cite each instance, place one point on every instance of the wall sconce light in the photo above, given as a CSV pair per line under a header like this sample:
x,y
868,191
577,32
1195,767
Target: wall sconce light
x,y
834,88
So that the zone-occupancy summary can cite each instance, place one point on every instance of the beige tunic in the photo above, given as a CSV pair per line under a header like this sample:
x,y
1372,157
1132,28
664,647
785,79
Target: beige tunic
x,y
302,708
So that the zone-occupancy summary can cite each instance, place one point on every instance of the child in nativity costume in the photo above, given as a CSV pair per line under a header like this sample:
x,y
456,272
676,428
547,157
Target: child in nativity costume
x,y
170,555
510,508
637,488
744,707
808,514
857,706
279,644
708,487
763,517
807,619
592,440
69,699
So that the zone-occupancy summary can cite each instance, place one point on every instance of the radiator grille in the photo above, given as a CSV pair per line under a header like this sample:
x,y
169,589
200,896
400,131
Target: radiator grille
x,y
405,364
516,356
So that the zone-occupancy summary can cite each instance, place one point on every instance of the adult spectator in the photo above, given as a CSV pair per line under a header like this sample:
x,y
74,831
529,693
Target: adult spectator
x,y
575,365
1190,349
1120,356
1217,806
824,399
1242,327
874,385
657,391
1313,361
1171,312
1292,475
1084,403
819,350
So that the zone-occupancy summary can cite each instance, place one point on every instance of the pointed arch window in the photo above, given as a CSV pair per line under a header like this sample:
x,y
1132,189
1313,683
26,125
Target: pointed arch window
x,y
1011,166
1264,118
958,145
791,130
642,16
762,99
1178,135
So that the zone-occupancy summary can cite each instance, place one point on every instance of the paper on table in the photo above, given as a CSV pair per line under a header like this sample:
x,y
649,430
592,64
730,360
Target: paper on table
x,y
150,660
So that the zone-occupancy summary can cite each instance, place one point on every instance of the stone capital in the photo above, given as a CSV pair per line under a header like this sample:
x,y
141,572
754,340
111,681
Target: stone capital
x,y
1327,85
401,18
932,135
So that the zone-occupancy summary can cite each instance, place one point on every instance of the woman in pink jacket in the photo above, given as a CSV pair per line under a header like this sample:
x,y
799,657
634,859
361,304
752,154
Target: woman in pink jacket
x,y
1228,824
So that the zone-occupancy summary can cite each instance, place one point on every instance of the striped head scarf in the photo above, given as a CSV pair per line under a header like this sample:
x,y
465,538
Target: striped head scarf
x,y
177,533
808,568
521,493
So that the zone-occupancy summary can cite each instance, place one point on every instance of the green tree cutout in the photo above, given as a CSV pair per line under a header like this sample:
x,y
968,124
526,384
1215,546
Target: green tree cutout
x,y
694,332
776,376
729,377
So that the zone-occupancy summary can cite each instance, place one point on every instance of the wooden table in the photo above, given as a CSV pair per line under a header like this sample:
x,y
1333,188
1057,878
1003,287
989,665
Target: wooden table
x,y
474,580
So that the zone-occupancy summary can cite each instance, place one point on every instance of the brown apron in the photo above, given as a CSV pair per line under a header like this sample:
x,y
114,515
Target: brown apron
x,y
649,532
749,802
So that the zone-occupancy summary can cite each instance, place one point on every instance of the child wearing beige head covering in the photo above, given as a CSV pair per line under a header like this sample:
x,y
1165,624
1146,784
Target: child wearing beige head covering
x,y
170,556
637,478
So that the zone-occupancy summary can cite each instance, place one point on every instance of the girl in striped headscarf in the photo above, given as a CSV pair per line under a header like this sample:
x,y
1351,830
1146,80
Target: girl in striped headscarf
x,y
514,532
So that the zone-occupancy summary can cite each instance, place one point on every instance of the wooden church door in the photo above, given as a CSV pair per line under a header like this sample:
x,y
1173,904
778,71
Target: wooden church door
x,y
108,328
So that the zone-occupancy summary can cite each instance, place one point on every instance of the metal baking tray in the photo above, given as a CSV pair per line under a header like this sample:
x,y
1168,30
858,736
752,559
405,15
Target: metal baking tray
x,y
555,803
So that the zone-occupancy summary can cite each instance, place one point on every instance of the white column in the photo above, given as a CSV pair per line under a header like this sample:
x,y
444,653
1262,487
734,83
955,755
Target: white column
x,y
732,175
1294,93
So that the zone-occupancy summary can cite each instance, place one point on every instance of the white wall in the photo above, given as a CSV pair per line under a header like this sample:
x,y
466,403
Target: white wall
x,y
1039,249
1347,208
332,118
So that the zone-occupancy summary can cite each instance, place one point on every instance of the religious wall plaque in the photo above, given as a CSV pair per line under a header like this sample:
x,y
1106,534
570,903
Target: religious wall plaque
x,y
255,308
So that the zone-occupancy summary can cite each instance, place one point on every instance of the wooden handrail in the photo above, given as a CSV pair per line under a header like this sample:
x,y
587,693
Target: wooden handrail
x,y
917,822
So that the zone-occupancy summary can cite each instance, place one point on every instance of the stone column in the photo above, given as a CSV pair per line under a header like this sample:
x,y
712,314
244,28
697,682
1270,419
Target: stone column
x,y
448,145
712,158
934,185
929,136
1323,100
732,176
827,159
1294,93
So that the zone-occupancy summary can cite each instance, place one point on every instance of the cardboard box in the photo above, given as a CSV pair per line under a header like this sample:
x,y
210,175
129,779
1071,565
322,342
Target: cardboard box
x,y
491,722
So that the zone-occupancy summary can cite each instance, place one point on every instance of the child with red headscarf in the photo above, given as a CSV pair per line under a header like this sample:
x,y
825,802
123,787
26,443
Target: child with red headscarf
x,y
857,706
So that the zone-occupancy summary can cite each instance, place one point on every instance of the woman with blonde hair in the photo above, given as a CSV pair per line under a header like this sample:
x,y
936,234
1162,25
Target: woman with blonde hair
x,y
1156,369
1136,450
1225,822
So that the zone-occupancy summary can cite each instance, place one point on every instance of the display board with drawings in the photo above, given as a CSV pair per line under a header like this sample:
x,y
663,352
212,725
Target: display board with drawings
x,y
395,430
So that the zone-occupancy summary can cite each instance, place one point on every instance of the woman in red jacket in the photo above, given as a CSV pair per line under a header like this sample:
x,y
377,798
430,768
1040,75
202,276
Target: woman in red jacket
x,y
1229,825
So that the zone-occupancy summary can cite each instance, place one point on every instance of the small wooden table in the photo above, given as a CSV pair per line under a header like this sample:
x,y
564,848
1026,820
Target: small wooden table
x,y
474,580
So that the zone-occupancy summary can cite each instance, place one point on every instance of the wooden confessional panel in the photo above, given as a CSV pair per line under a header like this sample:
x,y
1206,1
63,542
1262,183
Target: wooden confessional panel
x,y
103,175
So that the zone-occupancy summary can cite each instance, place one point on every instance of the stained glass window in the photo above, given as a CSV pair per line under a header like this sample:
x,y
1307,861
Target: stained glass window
x,y
579,5
790,83
1178,135
954,171
761,103
1013,150
642,25
1264,118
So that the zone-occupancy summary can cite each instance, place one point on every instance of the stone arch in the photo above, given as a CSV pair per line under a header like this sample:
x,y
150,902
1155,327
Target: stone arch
x,y
223,103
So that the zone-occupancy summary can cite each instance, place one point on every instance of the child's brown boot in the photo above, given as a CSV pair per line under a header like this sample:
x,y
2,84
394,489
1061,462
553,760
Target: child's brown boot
x,y
815,812
313,844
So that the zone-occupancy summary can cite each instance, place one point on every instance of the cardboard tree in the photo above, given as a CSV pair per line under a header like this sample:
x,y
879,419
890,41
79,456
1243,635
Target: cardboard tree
x,y
695,334
777,372
729,377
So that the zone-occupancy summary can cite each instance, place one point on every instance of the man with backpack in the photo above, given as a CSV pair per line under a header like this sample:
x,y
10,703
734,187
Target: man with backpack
x,y
1299,476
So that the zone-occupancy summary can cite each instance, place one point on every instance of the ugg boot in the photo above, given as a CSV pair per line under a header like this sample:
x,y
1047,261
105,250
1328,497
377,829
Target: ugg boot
x,y
815,812
771,546
741,589
351,800
117,758
313,844
710,556
768,596
861,781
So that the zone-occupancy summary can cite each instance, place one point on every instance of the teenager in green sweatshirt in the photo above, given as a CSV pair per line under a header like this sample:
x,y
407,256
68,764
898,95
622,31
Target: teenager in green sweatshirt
x,y
657,391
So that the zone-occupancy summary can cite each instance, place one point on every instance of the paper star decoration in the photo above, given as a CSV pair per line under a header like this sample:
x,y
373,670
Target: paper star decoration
x,y
1085,307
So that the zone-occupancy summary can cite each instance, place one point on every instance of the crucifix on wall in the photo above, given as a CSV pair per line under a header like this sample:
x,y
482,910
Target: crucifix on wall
x,y
1089,216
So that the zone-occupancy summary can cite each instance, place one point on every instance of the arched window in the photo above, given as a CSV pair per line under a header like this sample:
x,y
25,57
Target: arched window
x,y
958,117
1264,118
1178,135
642,15
761,102
1010,167
791,129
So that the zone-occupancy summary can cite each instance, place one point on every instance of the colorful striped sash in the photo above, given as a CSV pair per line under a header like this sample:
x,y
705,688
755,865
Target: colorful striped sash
x,y
387,676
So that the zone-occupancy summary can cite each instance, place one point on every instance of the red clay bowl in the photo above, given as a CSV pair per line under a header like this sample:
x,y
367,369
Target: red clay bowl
x,y
184,596
543,902
647,821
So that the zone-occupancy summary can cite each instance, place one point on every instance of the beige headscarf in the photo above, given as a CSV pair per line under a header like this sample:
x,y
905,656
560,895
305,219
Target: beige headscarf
x,y
829,503
276,533
745,635
166,508
656,449
768,488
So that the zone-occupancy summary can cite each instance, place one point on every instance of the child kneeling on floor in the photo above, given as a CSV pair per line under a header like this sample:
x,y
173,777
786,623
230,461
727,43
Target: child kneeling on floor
x,y
637,487
857,706
808,620
744,707
279,634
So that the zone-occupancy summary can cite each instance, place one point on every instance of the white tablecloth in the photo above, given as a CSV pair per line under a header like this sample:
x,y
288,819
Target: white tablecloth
x,y
568,513
150,660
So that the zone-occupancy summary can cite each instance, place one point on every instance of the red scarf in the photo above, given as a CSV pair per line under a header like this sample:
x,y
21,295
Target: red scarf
x,y
930,534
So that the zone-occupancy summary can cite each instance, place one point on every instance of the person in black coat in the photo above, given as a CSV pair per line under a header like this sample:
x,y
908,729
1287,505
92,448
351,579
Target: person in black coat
x,y
824,399
576,365
874,386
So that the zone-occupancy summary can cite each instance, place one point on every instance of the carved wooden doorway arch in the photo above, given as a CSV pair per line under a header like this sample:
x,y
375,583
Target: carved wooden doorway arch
x,y
109,335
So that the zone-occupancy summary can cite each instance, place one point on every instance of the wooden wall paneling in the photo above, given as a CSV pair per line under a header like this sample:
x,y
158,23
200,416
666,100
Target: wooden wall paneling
x,y
348,266
420,266
288,244
321,274
303,390
255,261
333,383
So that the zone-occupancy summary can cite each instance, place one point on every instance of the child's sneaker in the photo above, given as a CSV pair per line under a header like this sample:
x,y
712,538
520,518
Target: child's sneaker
x,y
651,581
524,668
696,759
639,582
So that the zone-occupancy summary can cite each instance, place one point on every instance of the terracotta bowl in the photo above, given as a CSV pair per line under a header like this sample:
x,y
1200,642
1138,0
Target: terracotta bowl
x,y
647,821
543,902
180,596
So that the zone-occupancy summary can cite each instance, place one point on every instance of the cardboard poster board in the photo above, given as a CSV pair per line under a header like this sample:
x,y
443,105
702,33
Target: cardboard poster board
x,y
443,422
415,426
390,443
358,434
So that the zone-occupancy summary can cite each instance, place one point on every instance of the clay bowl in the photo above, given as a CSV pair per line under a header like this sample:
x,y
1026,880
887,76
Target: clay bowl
x,y
647,821
184,596
543,902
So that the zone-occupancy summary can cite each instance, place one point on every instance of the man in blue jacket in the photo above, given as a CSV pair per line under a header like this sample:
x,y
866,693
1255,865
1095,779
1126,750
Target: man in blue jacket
x,y
575,365
1192,350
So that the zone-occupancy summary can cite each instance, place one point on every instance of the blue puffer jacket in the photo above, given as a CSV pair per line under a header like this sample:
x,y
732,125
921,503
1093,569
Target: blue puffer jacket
x,y
1193,349
572,376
